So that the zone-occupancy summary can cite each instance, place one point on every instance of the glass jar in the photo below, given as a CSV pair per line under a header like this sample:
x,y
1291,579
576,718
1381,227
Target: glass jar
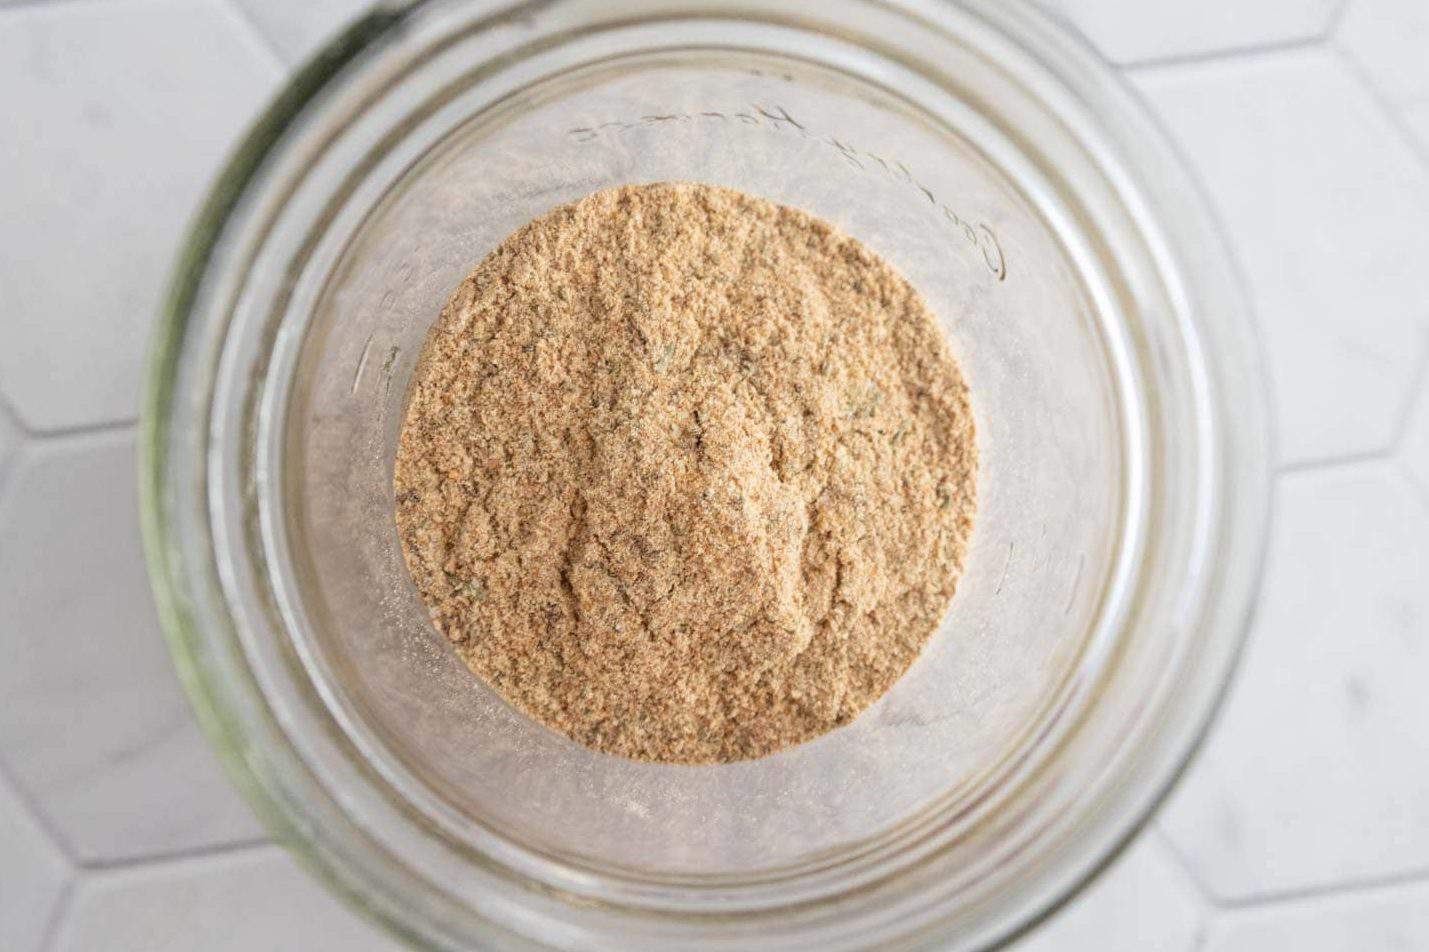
x,y
992,159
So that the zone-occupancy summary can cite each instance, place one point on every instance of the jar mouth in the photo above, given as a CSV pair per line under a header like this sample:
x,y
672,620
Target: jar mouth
x,y
239,371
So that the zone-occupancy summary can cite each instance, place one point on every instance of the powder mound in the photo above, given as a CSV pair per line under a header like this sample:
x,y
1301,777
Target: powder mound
x,y
686,475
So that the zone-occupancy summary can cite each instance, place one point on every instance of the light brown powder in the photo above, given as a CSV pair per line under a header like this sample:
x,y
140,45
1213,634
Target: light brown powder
x,y
686,475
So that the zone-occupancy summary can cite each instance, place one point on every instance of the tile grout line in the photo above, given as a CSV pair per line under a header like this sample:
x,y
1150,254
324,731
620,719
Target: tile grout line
x,y
1207,900
7,410
1399,430
1223,55
51,830
77,866
179,857
1326,892
29,5
1337,20
1418,393
255,32
9,427
1418,384
78,431
1330,463
51,935
1388,110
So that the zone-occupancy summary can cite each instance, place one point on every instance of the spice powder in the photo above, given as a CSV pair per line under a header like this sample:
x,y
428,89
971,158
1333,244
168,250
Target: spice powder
x,y
686,475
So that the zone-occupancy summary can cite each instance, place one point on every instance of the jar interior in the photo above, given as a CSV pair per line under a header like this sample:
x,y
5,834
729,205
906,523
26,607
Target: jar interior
x,y
918,189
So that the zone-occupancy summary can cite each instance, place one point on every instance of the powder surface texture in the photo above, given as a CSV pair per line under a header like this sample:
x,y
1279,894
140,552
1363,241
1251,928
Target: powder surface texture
x,y
686,475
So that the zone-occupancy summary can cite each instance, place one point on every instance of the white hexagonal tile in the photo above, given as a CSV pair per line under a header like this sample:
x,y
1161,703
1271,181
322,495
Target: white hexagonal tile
x,y
1143,903
298,29
1163,29
116,117
1382,920
1415,450
257,899
1324,201
1314,775
32,876
1390,41
94,724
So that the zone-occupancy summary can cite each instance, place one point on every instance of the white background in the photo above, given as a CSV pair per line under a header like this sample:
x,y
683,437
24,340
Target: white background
x,y
1305,824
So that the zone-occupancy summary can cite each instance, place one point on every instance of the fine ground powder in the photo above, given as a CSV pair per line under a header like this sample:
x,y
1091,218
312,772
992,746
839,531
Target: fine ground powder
x,y
686,475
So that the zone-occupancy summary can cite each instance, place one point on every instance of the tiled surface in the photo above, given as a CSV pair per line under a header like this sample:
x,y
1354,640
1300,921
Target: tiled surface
x,y
115,116
1390,41
1324,200
1387,920
1144,903
94,726
296,30
32,876
231,903
1149,30
1304,825
1316,775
